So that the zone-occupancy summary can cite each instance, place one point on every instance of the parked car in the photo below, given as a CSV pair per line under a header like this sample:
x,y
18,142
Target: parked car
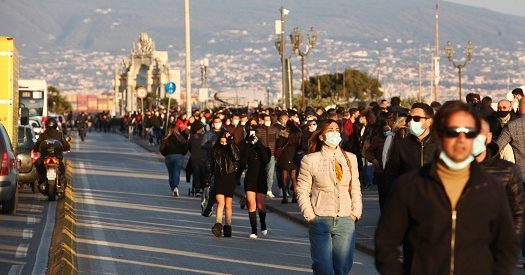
x,y
8,174
27,173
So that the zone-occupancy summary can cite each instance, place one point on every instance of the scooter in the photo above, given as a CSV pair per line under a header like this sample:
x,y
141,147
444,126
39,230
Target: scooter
x,y
55,183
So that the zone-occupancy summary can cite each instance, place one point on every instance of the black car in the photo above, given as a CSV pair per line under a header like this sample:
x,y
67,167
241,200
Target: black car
x,y
8,174
27,173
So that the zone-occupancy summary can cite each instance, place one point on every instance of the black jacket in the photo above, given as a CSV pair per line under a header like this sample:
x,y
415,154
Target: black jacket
x,y
196,150
224,160
419,209
52,133
508,174
257,157
408,154
173,146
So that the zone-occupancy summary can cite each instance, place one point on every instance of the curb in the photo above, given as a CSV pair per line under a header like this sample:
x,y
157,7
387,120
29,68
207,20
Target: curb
x,y
63,254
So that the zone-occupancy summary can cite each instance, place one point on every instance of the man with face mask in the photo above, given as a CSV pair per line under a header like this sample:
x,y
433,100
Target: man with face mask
x,y
501,117
268,134
414,151
455,216
211,136
518,95
507,173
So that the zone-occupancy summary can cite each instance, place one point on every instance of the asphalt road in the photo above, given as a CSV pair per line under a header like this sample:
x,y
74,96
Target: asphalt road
x,y
128,222
25,237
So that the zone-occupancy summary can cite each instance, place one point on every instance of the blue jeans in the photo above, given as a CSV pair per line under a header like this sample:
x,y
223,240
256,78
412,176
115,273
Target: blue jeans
x,y
174,165
332,244
270,172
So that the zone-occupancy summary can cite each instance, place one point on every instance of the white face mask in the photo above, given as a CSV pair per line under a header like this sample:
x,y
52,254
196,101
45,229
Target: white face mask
x,y
313,128
296,119
243,123
203,120
268,123
235,122
217,126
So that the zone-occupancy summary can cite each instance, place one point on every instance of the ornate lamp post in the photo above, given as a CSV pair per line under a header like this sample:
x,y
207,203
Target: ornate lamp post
x,y
297,40
204,72
449,50
280,44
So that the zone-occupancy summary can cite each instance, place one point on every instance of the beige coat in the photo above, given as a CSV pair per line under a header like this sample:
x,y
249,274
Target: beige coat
x,y
319,194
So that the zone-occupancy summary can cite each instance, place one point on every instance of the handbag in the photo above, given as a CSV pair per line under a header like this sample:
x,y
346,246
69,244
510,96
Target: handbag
x,y
279,151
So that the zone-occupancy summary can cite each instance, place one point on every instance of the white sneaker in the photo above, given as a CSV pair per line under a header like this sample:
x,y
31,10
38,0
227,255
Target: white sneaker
x,y
176,192
253,236
270,195
264,232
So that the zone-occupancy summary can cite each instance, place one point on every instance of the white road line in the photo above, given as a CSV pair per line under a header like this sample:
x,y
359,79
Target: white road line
x,y
21,250
16,270
27,234
109,267
42,254
31,220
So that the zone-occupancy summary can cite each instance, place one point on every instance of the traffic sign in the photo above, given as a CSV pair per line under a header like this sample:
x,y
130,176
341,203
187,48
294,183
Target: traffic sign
x,y
170,88
142,92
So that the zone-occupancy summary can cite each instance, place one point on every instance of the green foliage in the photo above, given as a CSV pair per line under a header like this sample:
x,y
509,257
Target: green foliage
x,y
56,103
359,86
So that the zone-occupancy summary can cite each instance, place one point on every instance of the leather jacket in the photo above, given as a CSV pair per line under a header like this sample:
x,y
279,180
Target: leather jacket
x,y
509,175
224,160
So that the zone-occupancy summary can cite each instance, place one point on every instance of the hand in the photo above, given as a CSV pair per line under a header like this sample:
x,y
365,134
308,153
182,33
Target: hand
x,y
310,221
354,218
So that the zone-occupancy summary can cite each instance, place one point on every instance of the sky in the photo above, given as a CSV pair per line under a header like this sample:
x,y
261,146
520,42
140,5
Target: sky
x,y
516,7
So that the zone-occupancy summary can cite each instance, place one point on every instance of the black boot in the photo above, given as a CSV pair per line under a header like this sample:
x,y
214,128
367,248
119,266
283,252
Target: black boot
x,y
227,231
217,230
262,220
253,221
285,200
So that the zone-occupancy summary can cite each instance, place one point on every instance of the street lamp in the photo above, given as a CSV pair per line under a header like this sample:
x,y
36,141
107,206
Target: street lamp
x,y
204,72
280,44
297,39
449,51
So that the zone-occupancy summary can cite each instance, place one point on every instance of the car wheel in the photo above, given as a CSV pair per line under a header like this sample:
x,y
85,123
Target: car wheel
x,y
9,206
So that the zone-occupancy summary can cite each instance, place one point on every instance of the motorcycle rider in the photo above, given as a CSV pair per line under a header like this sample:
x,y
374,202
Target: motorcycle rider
x,y
50,132
82,125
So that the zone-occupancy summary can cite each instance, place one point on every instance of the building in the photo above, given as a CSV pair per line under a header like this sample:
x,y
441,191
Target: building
x,y
145,68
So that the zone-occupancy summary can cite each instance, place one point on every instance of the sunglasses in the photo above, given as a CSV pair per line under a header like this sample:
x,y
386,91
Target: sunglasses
x,y
415,118
454,132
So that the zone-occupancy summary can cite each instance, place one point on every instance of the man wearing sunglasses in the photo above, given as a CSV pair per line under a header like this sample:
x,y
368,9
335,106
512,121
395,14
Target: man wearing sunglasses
x,y
415,150
455,215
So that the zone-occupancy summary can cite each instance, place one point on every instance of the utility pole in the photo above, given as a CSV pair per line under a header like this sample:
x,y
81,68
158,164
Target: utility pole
x,y
419,76
188,56
436,56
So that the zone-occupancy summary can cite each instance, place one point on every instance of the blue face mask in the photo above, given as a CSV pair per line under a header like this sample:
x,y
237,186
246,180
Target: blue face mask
x,y
479,145
388,133
452,165
333,139
416,128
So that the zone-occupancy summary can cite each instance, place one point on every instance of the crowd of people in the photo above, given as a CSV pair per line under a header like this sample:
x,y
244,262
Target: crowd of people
x,y
449,177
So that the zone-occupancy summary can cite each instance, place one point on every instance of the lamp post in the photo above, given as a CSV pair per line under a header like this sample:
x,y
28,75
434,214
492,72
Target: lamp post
x,y
297,39
449,50
280,44
204,72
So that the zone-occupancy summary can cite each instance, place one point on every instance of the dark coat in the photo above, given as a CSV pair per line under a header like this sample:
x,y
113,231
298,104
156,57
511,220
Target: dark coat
x,y
224,161
52,133
267,136
419,210
196,150
407,155
257,157
173,146
508,174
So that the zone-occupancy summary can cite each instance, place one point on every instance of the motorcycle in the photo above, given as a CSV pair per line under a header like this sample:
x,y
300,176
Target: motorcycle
x,y
55,183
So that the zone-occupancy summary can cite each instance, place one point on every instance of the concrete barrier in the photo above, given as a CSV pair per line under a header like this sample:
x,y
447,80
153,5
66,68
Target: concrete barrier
x,y
63,254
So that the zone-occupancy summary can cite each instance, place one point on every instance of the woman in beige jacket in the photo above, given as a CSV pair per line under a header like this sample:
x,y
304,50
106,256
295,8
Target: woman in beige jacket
x,y
329,196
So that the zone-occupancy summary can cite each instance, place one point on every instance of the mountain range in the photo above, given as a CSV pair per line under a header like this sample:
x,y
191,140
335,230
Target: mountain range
x,y
222,25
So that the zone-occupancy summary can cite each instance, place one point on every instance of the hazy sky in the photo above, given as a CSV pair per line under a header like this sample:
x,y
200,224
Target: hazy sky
x,y
516,7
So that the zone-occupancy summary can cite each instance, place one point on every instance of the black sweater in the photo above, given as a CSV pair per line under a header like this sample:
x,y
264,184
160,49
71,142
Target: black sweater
x,y
172,146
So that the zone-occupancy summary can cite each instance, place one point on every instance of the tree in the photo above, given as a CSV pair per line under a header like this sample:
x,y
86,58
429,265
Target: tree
x,y
56,103
358,85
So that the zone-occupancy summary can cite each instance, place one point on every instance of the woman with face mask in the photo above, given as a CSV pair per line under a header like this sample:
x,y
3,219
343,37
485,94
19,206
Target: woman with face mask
x,y
224,158
329,197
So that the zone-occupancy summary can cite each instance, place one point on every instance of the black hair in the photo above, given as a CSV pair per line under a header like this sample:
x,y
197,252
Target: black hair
x,y
429,111
517,91
395,101
447,110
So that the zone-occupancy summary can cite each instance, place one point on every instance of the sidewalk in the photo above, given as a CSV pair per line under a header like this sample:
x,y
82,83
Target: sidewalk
x,y
365,227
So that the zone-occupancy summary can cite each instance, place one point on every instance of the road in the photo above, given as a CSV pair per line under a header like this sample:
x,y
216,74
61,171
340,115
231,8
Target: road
x,y
25,237
127,222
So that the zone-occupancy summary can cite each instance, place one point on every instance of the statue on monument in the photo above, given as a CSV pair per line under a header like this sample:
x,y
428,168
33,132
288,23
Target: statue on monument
x,y
145,45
